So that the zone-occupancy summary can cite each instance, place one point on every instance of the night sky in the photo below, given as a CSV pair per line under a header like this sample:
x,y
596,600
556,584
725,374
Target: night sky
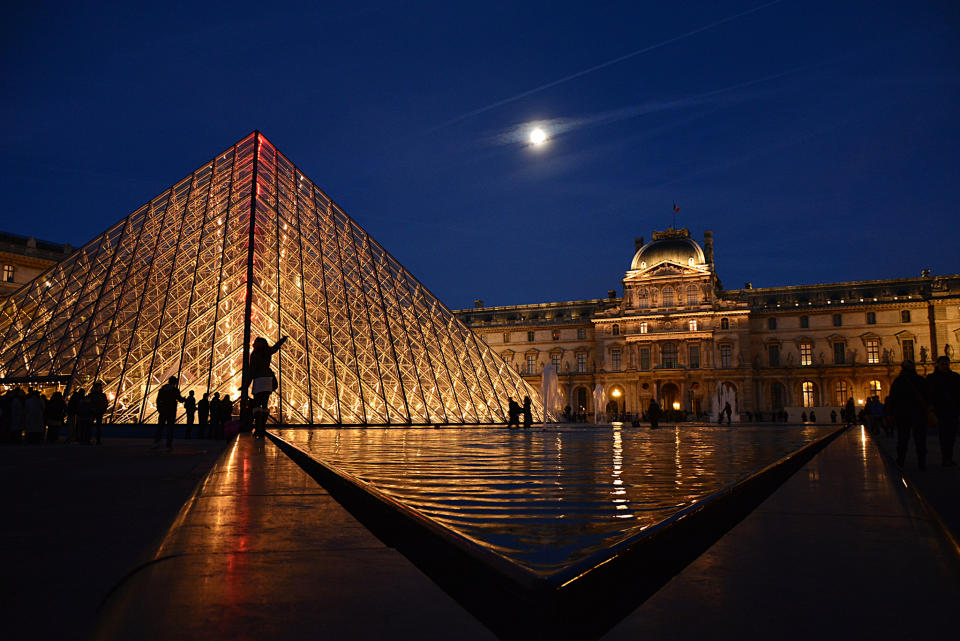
x,y
819,140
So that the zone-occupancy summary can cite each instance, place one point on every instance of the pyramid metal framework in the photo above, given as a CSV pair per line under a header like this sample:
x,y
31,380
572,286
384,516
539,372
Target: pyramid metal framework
x,y
247,246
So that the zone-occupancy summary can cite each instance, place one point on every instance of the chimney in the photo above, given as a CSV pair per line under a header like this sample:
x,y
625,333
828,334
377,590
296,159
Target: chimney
x,y
708,246
611,294
477,302
637,244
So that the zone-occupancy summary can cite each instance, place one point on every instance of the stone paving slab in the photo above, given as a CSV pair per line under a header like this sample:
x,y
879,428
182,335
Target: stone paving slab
x,y
841,550
262,552
77,518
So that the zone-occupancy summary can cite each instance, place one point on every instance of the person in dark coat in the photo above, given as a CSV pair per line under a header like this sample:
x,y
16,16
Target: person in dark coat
x,y
653,414
850,412
527,413
73,414
190,407
215,415
226,415
55,413
262,380
203,413
728,411
944,387
513,413
96,407
167,398
908,404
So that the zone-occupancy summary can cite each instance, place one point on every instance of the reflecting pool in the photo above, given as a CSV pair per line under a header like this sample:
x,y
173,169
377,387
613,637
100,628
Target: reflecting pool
x,y
550,497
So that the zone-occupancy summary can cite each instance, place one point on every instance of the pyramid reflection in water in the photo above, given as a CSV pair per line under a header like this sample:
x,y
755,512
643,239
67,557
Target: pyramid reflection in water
x,y
247,246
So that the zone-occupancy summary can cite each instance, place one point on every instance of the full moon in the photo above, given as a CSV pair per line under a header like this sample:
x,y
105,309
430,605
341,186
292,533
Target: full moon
x,y
538,136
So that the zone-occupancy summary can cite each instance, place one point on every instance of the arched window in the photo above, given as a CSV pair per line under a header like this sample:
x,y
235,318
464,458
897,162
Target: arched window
x,y
668,296
615,330
693,294
840,393
644,327
809,394
875,388
643,298
724,323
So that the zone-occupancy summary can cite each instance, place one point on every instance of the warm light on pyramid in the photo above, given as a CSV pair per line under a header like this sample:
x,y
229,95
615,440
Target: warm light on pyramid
x,y
183,285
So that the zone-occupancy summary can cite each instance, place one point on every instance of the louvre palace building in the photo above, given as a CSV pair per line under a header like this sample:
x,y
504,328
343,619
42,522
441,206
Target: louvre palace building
x,y
676,335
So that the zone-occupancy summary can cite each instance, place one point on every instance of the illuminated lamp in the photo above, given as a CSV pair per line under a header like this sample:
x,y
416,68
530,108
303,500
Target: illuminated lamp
x,y
676,405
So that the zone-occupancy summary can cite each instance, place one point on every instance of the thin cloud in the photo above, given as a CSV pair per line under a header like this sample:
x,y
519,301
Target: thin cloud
x,y
597,67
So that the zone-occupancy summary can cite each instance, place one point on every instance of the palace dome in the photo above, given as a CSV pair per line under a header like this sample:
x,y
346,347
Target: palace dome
x,y
676,249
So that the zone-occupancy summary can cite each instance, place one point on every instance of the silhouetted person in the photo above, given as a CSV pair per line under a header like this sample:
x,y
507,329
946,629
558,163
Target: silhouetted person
x,y
203,413
527,414
850,412
56,412
513,413
803,417
73,414
944,387
96,406
262,381
813,416
167,398
33,410
653,414
908,403
833,416
226,414
190,407
728,411
215,414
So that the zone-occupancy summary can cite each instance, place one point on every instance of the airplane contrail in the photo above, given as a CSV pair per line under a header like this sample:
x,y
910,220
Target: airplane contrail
x,y
597,67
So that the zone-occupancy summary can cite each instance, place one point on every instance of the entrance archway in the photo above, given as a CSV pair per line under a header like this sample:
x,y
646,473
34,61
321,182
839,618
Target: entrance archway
x,y
670,397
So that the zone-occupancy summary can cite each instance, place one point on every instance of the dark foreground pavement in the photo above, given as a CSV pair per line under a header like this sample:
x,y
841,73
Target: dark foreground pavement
x,y
842,550
76,519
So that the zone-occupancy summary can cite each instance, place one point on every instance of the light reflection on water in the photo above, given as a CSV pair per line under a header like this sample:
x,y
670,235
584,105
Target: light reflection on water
x,y
547,498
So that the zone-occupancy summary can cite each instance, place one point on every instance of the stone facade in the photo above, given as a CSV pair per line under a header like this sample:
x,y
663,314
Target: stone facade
x,y
678,336
23,259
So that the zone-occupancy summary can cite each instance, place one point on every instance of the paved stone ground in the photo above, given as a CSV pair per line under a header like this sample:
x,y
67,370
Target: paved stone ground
x,y
77,519
939,485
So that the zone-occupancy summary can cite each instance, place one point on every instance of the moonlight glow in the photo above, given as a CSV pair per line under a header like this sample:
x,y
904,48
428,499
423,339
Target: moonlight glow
x,y
538,136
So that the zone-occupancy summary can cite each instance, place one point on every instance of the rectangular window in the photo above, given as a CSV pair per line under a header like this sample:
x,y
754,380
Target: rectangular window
x,y
804,322
644,358
506,337
529,337
669,356
907,346
726,352
644,327
581,363
905,316
774,352
531,364
838,320
555,360
806,353
873,351
615,359
8,273
692,325
581,333
871,318
839,354
556,334
693,356
771,323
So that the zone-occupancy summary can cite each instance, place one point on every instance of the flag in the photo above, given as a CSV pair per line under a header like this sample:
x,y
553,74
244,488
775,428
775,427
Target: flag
x,y
675,208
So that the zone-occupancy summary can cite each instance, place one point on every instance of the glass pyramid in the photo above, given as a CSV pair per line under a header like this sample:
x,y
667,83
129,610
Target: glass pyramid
x,y
248,246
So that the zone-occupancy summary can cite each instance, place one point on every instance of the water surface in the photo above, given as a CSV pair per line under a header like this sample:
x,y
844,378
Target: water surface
x,y
548,498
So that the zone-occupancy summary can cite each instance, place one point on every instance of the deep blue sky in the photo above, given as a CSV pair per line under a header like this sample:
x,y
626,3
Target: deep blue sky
x,y
819,142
